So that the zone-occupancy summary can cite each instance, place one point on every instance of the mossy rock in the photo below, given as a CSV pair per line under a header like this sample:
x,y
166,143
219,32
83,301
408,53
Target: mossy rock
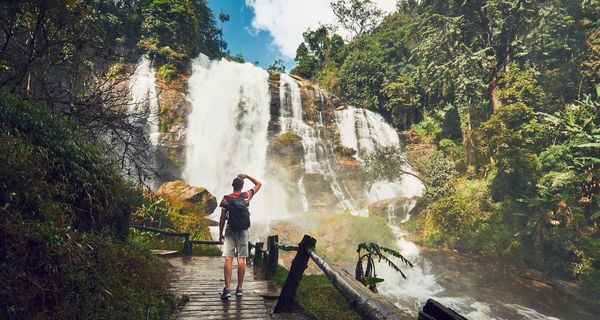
x,y
287,149
344,151
188,199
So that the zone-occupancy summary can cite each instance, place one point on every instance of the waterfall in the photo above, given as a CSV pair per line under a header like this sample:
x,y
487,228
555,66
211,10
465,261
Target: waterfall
x,y
227,132
317,157
364,131
303,194
144,110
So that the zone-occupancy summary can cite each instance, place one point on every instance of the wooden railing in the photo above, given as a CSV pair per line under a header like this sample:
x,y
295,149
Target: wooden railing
x,y
366,303
187,243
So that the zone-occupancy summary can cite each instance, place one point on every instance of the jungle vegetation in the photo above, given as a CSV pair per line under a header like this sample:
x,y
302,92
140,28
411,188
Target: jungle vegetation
x,y
508,92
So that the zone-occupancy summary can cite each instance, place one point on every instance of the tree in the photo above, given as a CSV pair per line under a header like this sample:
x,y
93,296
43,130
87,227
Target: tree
x,y
372,251
475,39
357,16
385,164
318,48
277,66
223,17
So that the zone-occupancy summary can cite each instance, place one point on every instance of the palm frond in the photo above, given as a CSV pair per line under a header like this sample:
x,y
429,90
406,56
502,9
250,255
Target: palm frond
x,y
394,266
397,255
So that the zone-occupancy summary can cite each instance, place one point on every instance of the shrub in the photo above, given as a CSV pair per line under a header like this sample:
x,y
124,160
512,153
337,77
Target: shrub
x,y
64,213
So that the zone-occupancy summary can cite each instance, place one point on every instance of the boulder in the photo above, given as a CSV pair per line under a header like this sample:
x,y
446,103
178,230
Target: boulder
x,y
188,199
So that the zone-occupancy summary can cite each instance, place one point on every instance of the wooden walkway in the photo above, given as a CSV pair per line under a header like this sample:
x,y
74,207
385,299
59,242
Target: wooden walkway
x,y
201,278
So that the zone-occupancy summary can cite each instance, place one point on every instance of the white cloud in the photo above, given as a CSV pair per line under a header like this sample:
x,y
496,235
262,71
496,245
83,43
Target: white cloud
x,y
286,20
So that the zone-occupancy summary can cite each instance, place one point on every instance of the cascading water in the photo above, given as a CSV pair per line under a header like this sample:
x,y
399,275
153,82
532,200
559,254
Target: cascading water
x,y
145,97
144,109
364,131
227,132
317,159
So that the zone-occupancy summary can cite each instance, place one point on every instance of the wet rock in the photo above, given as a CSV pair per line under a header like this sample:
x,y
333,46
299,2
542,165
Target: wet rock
x,y
287,149
188,199
344,151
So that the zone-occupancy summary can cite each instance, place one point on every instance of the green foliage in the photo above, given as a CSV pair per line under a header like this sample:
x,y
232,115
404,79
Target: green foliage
x,y
50,172
277,66
319,298
367,275
512,138
437,174
166,72
463,219
64,212
496,87
177,30
319,48
170,215
384,164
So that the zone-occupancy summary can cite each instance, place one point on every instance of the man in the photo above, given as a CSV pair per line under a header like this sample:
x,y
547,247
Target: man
x,y
234,209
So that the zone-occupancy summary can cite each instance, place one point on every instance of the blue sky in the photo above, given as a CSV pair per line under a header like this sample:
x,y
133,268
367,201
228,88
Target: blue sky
x,y
255,45
266,30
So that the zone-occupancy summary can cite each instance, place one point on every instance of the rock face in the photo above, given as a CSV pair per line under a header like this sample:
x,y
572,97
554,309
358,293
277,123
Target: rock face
x,y
286,154
188,199
174,109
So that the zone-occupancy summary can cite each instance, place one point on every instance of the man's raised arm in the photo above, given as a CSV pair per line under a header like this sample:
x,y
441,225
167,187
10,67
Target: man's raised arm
x,y
257,184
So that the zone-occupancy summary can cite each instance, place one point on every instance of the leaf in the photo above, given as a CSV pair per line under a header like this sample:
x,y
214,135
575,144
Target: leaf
x,y
372,280
596,215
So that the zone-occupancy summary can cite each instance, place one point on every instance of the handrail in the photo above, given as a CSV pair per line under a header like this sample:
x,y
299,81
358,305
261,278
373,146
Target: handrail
x,y
368,304
187,243
215,242
168,233
286,246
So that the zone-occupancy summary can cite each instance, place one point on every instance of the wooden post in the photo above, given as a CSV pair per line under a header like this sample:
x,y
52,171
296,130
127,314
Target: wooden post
x,y
299,264
273,256
187,245
258,252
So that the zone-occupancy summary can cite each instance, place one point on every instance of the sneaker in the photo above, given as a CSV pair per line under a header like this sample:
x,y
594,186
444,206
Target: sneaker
x,y
226,294
239,292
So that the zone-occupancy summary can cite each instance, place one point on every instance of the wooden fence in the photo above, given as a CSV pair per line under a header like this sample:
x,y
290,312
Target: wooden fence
x,y
367,304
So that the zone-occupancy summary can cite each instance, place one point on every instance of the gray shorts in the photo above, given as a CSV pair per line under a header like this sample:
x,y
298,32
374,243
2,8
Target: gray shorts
x,y
235,244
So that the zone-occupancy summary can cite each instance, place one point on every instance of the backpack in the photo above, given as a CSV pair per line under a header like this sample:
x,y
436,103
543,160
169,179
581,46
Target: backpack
x,y
239,216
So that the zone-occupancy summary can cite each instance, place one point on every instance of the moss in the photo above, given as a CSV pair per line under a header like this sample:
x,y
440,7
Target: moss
x,y
287,149
319,298
167,71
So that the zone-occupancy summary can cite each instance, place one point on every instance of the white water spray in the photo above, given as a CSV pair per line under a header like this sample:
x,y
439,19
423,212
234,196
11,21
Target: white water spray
x,y
144,108
317,159
227,132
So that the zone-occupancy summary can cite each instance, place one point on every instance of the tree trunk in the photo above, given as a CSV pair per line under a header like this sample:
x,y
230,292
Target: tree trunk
x,y
493,89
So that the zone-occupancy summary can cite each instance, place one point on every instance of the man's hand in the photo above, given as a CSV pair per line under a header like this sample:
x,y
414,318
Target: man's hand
x,y
221,237
257,184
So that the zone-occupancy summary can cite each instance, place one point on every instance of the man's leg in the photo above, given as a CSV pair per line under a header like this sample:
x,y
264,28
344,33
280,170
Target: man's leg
x,y
241,271
228,253
227,271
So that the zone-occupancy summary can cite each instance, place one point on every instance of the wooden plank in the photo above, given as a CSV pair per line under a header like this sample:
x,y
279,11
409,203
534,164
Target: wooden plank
x,y
261,308
229,312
